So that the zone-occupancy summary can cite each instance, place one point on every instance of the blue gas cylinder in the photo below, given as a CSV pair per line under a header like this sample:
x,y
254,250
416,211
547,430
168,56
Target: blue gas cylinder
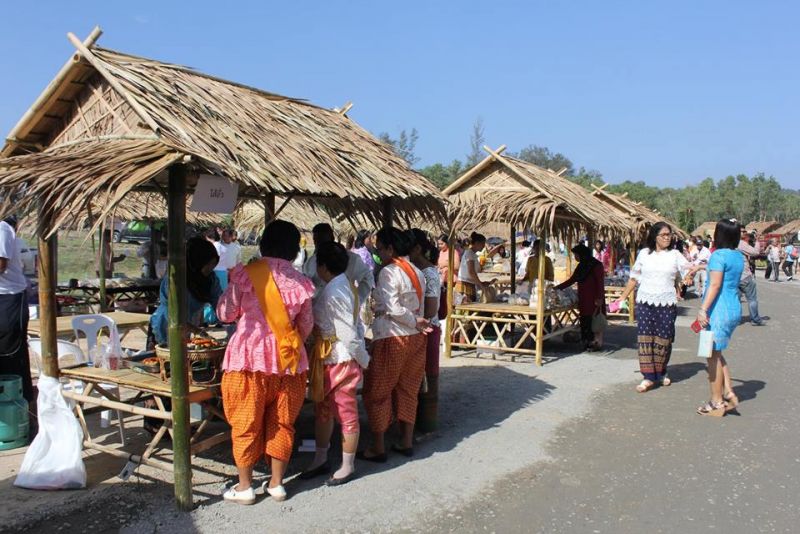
x,y
14,424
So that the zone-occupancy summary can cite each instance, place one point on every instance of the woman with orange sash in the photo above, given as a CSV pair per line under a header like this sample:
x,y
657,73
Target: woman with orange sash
x,y
265,365
397,366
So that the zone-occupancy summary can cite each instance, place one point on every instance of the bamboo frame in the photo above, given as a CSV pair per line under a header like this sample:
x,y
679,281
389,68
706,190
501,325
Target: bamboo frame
x,y
540,300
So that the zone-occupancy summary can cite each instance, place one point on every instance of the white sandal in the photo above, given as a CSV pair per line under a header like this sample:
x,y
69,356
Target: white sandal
x,y
644,385
247,496
665,381
278,493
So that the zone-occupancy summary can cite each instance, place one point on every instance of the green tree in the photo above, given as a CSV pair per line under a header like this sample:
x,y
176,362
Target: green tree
x,y
404,145
443,175
476,142
543,157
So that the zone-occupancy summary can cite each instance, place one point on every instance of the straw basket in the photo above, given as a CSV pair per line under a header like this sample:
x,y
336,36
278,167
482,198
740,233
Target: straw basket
x,y
205,364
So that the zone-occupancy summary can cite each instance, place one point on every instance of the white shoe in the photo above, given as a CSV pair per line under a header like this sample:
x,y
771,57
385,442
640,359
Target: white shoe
x,y
247,496
277,493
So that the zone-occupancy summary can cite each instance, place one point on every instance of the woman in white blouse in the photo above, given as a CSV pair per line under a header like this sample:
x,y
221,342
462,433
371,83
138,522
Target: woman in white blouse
x,y
395,373
656,303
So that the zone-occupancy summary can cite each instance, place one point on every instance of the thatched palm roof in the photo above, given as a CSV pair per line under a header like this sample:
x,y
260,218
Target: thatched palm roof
x,y
512,191
792,227
762,227
113,123
640,218
705,229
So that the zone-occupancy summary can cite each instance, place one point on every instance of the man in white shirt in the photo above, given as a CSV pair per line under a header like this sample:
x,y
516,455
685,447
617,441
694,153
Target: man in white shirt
x,y
522,258
703,255
357,271
747,282
14,359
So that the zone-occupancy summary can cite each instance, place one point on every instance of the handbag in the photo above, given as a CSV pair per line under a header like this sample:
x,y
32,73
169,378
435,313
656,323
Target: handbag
x,y
705,344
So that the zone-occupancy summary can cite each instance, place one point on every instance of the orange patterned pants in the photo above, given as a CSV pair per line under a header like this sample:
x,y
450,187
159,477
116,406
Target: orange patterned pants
x,y
393,379
261,409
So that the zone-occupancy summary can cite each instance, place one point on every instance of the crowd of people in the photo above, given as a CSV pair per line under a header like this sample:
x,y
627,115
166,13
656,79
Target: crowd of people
x,y
299,330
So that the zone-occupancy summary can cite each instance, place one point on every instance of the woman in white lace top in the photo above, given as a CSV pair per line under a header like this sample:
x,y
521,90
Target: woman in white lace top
x,y
656,303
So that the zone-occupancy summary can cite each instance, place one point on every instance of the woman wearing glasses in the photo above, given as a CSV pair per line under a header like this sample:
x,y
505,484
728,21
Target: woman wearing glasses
x,y
656,303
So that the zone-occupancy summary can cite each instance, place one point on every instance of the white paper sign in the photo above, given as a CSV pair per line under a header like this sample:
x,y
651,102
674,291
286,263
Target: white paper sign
x,y
214,194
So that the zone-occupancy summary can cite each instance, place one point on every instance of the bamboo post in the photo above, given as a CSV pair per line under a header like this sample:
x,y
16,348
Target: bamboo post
x,y
631,298
513,259
178,315
102,271
388,212
448,322
47,300
269,208
540,301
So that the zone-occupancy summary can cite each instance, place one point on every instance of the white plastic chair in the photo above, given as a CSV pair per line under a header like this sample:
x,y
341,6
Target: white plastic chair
x,y
91,326
68,354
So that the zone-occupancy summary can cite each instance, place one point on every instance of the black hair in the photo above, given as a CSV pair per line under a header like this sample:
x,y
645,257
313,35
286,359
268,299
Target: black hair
x,y
600,242
727,234
199,253
333,256
475,237
653,233
582,252
281,239
211,233
429,250
400,241
361,236
526,243
536,243
323,230
443,238
11,220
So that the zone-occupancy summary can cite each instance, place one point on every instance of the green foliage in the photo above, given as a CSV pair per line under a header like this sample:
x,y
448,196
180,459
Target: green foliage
x,y
476,142
404,145
541,156
443,175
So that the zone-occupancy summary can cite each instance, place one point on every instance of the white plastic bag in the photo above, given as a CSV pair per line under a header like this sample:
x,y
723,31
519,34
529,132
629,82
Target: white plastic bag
x,y
705,344
54,460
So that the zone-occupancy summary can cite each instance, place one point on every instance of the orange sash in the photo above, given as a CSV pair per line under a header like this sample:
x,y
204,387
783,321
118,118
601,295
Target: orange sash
x,y
412,275
272,306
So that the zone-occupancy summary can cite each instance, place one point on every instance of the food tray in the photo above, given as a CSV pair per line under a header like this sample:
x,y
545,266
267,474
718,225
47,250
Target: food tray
x,y
135,362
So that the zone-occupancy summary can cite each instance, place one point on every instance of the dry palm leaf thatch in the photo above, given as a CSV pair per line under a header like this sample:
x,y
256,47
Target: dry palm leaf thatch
x,y
705,229
639,216
762,227
152,114
792,227
512,191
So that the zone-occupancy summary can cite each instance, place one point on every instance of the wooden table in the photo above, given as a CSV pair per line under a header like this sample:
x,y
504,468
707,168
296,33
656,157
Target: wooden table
x,y
125,321
145,386
90,295
472,322
613,293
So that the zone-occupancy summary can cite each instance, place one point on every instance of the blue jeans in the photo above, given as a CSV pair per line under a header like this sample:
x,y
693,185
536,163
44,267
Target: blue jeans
x,y
748,288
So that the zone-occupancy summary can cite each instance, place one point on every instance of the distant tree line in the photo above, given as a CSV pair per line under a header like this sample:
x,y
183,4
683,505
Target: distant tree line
x,y
747,198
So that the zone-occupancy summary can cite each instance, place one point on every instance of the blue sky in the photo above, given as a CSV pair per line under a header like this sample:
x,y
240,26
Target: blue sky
x,y
665,92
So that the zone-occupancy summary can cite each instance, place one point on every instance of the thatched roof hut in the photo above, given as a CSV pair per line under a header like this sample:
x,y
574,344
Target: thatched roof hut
x,y
788,229
706,229
111,123
509,190
763,227
640,218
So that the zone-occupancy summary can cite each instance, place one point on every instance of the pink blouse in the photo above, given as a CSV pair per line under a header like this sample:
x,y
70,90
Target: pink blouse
x,y
252,347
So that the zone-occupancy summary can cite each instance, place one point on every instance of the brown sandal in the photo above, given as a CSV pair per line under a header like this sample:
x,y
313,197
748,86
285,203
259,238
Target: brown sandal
x,y
731,400
714,409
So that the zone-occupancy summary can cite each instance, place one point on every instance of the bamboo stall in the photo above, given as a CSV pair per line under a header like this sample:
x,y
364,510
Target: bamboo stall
x,y
112,125
519,194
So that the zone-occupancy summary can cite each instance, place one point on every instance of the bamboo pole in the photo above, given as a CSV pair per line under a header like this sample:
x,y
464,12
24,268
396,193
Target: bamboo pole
x,y
448,322
47,299
102,271
152,251
631,298
388,212
178,315
513,259
540,301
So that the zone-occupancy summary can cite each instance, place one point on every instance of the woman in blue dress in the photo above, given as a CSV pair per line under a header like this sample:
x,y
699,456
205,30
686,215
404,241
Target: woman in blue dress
x,y
721,313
